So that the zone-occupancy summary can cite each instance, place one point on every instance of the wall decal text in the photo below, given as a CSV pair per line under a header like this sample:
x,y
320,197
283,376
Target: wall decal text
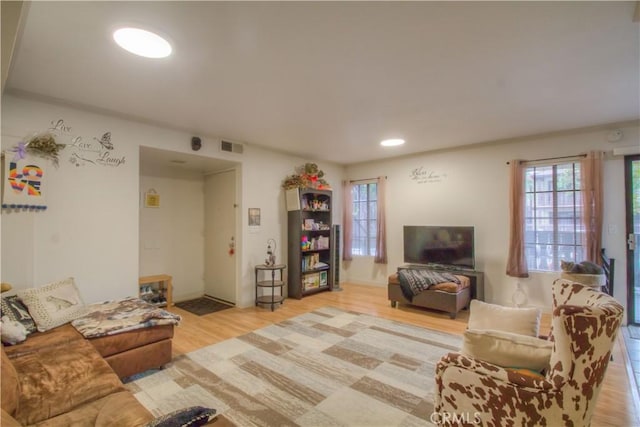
x,y
422,175
84,151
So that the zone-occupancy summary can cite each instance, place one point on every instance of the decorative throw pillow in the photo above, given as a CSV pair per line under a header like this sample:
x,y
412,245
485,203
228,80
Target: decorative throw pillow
x,y
54,304
193,416
523,321
507,350
15,310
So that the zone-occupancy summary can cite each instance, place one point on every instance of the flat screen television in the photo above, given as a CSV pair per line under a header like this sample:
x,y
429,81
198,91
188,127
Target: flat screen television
x,y
440,245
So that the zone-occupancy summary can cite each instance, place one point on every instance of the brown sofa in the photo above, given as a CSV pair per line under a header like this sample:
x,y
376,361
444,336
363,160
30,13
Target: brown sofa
x,y
57,378
60,378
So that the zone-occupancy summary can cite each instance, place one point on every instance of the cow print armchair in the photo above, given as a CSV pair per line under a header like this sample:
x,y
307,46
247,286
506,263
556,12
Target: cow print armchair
x,y
584,326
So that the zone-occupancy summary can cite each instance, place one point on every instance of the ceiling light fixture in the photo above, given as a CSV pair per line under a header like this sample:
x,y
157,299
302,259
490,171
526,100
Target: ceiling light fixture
x,y
142,43
392,142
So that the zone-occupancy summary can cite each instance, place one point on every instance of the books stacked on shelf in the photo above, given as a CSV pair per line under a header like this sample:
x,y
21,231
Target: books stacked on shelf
x,y
314,280
311,281
309,262
312,262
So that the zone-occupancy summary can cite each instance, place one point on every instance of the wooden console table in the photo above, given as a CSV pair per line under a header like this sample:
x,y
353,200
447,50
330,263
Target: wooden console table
x,y
165,287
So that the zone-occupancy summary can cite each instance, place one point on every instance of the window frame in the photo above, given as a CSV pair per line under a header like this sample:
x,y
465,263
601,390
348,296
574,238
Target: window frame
x,y
364,245
531,215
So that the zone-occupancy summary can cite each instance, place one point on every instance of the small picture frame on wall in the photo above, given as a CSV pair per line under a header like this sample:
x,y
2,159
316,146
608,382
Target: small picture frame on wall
x,y
151,199
254,217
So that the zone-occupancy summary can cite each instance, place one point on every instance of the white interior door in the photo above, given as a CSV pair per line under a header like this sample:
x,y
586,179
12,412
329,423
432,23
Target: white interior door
x,y
220,229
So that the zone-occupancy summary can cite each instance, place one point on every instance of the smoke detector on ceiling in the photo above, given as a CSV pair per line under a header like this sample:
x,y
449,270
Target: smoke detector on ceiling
x,y
615,135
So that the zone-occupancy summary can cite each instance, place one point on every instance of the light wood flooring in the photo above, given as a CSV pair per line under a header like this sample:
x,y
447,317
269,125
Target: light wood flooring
x,y
617,404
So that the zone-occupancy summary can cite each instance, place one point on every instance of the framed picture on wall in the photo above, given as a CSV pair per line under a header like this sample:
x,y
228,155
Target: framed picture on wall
x,y
254,217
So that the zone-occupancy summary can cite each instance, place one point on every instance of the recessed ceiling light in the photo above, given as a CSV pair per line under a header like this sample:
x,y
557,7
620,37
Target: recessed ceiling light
x,y
392,142
142,42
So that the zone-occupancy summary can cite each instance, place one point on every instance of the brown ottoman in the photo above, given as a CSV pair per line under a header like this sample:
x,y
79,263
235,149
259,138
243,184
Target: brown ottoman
x,y
136,351
449,297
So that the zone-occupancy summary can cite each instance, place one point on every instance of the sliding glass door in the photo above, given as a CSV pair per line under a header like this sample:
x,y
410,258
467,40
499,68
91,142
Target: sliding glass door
x,y
632,189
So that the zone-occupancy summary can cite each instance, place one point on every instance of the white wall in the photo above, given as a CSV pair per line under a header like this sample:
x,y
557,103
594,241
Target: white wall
x,y
472,189
259,192
171,236
91,229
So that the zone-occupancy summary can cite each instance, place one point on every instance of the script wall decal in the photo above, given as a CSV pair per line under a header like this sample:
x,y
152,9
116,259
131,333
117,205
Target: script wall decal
x,y
422,175
83,151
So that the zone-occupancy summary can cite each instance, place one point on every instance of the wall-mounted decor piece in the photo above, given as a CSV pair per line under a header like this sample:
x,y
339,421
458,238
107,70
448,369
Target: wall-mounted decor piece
x,y
254,217
23,171
422,175
83,151
306,176
42,145
23,186
151,199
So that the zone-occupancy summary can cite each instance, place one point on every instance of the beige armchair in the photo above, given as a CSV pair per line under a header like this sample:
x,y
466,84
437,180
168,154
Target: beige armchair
x,y
584,326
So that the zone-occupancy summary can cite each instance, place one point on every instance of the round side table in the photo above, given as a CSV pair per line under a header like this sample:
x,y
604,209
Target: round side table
x,y
273,281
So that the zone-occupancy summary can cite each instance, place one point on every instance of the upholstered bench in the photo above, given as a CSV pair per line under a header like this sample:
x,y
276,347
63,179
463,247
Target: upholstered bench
x,y
450,297
136,351
130,334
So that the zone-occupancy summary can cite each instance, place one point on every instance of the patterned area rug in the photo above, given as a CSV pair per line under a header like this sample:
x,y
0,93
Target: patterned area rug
x,y
324,368
634,332
202,306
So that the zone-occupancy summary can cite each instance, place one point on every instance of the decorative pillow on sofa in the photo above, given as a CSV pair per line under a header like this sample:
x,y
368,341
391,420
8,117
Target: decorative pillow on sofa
x,y
523,321
15,310
507,350
193,416
54,304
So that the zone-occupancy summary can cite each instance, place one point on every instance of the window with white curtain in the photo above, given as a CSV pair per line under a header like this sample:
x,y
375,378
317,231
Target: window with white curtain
x,y
365,218
553,215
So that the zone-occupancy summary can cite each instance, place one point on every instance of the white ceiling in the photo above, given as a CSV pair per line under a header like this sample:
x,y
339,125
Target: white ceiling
x,y
329,80
171,164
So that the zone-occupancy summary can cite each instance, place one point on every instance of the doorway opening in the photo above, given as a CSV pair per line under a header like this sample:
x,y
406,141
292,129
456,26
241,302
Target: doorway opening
x,y
181,234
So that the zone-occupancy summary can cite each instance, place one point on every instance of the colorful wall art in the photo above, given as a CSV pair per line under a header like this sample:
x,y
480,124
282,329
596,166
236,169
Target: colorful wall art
x,y
23,185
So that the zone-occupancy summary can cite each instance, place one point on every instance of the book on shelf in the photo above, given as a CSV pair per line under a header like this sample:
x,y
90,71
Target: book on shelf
x,y
312,262
323,278
311,281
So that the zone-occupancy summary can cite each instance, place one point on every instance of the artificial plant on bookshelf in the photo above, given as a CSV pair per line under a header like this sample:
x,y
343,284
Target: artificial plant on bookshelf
x,y
308,199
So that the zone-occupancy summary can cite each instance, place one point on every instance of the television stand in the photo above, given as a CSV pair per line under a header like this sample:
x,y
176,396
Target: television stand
x,y
476,277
